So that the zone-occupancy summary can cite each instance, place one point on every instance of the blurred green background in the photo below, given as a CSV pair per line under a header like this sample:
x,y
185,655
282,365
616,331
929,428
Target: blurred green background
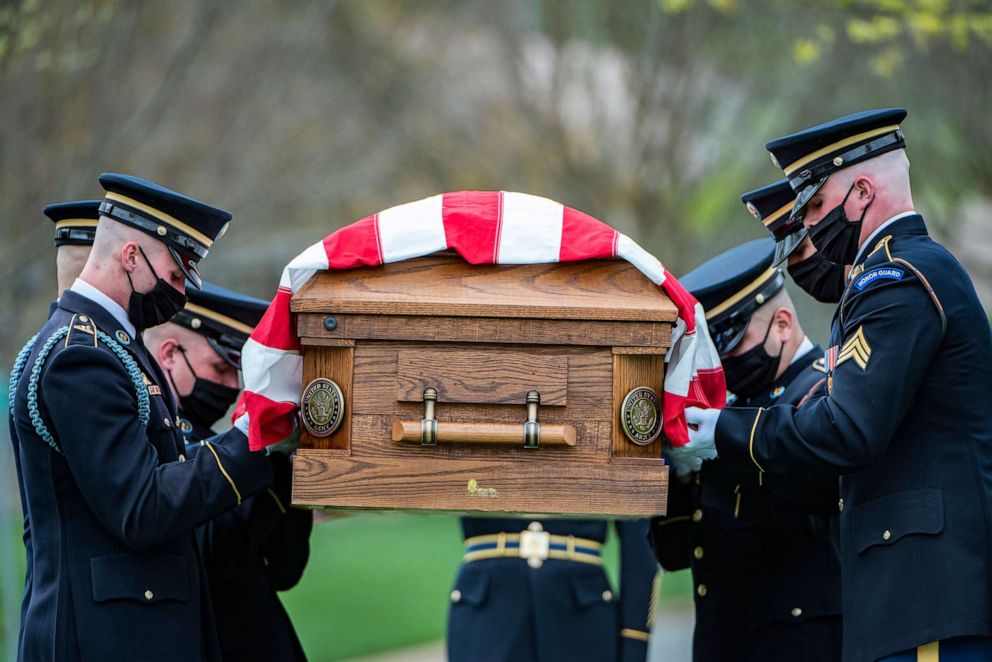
x,y
301,116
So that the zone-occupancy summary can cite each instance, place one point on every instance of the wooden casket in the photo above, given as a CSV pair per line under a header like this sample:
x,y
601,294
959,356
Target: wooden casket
x,y
433,384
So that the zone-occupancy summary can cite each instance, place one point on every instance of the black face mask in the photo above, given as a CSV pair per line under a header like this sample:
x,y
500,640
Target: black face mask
x,y
820,278
836,236
208,400
157,306
752,372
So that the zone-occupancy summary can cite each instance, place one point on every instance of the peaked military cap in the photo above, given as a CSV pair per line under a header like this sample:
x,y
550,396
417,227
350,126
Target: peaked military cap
x,y
772,205
75,222
226,318
810,156
186,226
731,286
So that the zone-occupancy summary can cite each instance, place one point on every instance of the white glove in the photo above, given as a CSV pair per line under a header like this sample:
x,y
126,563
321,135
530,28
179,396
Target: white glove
x,y
689,458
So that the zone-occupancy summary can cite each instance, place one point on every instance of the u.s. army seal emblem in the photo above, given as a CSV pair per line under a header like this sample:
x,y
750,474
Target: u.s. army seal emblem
x,y
322,407
639,416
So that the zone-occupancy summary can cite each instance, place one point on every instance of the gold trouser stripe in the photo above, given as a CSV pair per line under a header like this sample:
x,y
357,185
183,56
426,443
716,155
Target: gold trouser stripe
x,y
160,215
751,287
750,445
778,213
224,471
76,223
282,508
515,537
840,144
631,633
218,317
928,652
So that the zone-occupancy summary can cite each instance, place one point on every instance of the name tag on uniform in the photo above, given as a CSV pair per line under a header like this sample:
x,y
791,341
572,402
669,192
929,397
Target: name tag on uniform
x,y
154,390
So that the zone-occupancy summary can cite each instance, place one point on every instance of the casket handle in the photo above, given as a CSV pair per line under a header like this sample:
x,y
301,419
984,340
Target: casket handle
x,y
429,431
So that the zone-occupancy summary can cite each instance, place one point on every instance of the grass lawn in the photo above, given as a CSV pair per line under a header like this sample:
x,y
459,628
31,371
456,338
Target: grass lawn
x,y
378,581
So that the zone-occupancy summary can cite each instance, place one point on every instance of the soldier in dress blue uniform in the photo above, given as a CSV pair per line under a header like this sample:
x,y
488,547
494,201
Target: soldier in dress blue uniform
x,y
905,423
764,564
532,590
262,546
110,499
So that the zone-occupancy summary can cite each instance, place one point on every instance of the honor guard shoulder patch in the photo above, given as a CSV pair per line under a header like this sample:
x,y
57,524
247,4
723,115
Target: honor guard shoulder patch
x,y
856,348
880,273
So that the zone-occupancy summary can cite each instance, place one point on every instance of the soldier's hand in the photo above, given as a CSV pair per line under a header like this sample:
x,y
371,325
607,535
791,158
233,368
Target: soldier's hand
x,y
702,425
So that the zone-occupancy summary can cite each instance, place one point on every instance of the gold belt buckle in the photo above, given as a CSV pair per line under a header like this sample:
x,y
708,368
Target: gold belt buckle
x,y
535,543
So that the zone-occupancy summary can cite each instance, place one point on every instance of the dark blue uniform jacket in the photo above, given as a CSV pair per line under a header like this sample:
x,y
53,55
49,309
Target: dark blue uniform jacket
x,y
765,567
907,426
250,552
115,573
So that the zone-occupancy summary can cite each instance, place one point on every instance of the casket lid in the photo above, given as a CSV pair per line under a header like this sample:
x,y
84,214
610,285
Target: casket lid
x,y
445,285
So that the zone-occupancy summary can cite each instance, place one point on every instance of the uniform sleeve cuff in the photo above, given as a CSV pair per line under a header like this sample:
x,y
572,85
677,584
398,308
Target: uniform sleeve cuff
x,y
638,635
735,430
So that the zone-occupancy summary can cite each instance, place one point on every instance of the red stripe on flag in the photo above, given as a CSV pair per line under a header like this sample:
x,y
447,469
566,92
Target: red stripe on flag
x,y
470,224
584,237
708,390
684,301
269,422
675,427
277,328
354,245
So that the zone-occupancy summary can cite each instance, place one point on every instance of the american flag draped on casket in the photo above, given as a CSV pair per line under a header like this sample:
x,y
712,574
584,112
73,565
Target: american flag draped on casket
x,y
484,227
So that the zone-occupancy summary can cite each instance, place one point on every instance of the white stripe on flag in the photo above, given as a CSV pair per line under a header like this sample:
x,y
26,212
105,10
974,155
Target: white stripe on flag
x,y
680,360
275,373
530,231
647,264
304,265
708,357
412,230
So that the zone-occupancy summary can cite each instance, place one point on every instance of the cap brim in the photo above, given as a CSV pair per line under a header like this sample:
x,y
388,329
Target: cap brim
x,y
787,245
188,266
802,199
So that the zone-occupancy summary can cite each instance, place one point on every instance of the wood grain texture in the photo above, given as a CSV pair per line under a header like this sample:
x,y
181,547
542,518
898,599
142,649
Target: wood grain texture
x,y
491,375
588,388
445,328
629,372
337,364
450,432
447,285
323,478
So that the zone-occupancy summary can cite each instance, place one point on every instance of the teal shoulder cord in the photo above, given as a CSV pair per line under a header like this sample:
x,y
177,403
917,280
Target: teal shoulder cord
x,y
141,391
18,369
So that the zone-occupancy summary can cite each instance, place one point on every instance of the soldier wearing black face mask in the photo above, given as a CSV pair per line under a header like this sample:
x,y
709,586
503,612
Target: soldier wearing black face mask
x,y
764,564
262,546
111,500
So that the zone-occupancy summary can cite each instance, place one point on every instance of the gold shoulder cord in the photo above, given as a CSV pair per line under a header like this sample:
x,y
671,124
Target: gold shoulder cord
x,y
224,471
750,445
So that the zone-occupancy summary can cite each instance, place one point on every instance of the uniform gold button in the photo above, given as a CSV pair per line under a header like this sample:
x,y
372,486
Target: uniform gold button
x,y
701,590
182,458
796,612
698,552
886,534
607,595
697,515
456,596
840,505
148,594
84,318
161,230
167,422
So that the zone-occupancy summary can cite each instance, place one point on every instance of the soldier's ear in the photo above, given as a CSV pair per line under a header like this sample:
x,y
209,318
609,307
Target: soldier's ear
x,y
168,354
783,322
130,256
864,191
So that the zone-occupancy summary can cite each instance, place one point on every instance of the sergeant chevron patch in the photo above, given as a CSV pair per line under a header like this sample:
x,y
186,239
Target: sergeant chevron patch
x,y
856,347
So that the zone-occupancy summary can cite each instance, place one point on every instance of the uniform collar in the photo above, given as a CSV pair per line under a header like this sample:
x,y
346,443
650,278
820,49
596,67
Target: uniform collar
x,y
805,355
881,228
804,348
87,291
